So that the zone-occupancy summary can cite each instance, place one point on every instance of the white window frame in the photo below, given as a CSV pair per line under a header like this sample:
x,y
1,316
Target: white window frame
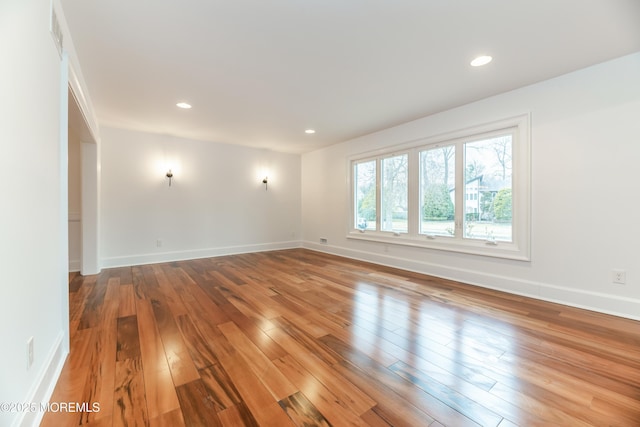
x,y
517,249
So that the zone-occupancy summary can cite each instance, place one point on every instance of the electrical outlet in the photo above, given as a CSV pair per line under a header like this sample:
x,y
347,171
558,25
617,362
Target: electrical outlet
x,y
619,277
30,353
159,243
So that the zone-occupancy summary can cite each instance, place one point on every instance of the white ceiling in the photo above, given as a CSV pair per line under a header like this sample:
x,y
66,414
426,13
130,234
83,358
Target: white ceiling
x,y
259,73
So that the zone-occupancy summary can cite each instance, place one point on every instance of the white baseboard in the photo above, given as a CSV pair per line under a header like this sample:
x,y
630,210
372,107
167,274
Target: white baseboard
x,y
45,384
594,301
74,265
155,258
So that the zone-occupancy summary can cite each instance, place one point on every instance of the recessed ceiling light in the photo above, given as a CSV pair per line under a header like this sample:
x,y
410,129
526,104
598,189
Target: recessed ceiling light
x,y
481,60
309,131
183,105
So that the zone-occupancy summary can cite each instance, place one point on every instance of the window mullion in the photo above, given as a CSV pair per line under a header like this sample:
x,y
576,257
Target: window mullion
x,y
413,211
459,208
378,194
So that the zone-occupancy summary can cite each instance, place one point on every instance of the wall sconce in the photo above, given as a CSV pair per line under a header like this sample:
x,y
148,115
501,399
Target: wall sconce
x,y
265,181
169,175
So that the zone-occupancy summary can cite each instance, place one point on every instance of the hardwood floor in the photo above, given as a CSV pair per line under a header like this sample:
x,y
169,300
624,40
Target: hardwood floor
x,y
299,338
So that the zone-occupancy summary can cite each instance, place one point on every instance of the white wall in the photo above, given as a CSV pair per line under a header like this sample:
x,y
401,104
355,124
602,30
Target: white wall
x,y
33,205
216,205
585,153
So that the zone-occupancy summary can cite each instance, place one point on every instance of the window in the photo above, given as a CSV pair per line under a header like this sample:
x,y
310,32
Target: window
x,y
487,185
365,195
467,192
394,194
437,191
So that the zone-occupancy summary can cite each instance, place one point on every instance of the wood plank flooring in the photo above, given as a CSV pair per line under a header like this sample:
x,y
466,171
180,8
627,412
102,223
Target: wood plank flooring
x,y
300,338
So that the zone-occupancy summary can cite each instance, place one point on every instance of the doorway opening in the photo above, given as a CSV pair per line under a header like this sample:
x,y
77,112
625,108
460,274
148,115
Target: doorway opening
x,y
82,191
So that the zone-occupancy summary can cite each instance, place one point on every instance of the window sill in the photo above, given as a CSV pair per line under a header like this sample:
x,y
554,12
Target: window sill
x,y
495,249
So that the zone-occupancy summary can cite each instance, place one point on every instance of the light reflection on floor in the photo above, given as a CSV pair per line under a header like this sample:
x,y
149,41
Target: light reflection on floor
x,y
389,326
